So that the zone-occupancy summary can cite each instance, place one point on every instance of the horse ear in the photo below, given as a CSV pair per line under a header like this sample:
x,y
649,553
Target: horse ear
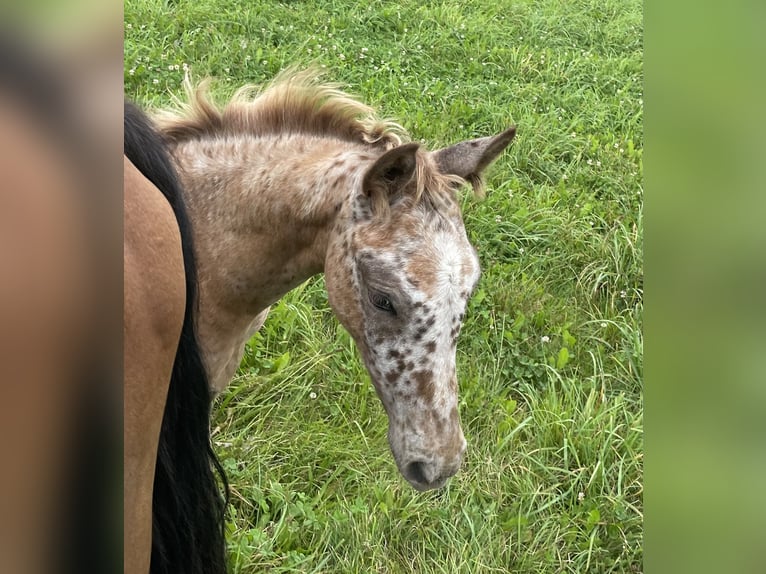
x,y
390,173
470,158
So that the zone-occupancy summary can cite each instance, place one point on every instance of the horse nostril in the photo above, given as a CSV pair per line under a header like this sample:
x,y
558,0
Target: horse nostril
x,y
415,472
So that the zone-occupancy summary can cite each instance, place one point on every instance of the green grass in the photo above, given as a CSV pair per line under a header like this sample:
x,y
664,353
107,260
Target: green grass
x,y
550,358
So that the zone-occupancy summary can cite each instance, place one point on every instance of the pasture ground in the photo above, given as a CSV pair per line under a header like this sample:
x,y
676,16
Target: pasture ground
x,y
550,356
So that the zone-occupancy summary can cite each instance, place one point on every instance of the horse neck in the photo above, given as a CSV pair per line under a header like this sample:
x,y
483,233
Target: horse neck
x,y
262,210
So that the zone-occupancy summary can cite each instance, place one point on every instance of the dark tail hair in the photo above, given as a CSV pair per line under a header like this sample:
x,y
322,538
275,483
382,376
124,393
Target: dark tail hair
x,y
188,530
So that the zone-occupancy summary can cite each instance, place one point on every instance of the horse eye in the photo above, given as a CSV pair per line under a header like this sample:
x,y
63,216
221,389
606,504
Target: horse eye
x,y
382,302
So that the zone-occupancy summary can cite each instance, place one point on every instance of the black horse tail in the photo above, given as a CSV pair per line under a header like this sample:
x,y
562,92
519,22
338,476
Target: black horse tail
x,y
188,529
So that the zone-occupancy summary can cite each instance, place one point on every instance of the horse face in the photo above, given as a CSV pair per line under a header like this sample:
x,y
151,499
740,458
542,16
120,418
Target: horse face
x,y
398,279
399,271
403,297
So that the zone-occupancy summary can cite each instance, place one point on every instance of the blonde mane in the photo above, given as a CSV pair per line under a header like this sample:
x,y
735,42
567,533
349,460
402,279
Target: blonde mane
x,y
295,102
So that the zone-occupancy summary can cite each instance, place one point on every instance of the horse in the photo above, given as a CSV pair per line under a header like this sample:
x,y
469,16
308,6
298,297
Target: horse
x,y
286,182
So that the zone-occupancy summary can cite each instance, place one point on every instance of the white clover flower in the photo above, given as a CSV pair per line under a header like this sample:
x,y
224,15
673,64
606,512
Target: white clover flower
x,y
580,496
312,395
131,71
545,339
341,56
155,81
603,325
498,218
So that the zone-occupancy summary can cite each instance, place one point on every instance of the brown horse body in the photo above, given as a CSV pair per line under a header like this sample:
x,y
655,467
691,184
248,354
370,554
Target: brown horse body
x,y
155,299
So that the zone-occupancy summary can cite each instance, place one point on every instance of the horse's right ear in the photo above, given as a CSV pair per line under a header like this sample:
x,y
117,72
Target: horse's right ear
x,y
390,173
469,159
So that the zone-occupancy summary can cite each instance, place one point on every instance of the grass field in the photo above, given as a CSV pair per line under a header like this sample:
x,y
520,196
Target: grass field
x,y
550,356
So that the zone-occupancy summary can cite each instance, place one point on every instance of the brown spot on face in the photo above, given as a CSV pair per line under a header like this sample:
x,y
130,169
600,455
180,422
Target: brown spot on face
x,y
431,346
393,376
424,381
439,425
421,269
419,333
410,365
393,354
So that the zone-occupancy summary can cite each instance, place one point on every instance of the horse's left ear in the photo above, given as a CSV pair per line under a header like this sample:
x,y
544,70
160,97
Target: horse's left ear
x,y
470,158
390,173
